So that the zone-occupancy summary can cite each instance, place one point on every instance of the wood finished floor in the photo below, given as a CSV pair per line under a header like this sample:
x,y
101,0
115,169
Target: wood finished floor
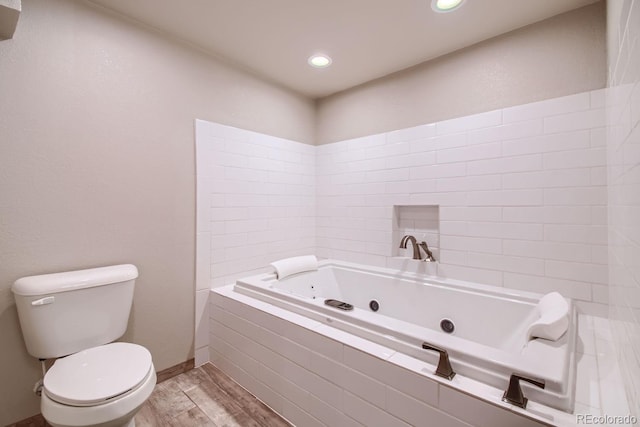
x,y
202,397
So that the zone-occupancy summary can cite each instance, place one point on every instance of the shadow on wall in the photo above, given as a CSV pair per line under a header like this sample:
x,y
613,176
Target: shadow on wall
x,y
14,362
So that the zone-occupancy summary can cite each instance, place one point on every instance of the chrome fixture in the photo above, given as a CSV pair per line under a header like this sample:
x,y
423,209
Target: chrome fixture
x,y
426,250
414,243
513,394
444,369
416,248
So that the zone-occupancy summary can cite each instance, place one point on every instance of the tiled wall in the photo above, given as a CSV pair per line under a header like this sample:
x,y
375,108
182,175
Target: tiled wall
x,y
519,194
255,205
521,191
623,108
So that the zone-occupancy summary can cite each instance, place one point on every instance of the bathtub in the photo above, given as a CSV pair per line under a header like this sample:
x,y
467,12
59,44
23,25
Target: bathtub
x,y
488,342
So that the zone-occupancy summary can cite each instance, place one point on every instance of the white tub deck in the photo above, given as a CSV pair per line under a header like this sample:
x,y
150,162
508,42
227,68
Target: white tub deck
x,y
314,374
489,342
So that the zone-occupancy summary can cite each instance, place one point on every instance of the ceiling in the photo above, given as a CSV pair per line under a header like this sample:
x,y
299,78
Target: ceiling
x,y
366,39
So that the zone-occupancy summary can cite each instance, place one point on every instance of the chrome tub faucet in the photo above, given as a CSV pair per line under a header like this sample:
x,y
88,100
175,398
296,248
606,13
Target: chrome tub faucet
x,y
514,395
444,369
414,243
416,248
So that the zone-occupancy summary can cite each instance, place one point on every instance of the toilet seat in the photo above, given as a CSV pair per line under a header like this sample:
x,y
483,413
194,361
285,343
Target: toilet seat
x,y
98,375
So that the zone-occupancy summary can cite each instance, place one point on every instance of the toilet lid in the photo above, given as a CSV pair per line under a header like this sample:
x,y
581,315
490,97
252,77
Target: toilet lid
x,y
95,375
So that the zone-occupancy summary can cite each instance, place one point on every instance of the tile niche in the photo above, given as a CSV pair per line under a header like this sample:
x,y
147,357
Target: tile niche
x,y
420,221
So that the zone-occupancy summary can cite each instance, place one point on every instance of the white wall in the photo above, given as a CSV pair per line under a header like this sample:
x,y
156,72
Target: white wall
x,y
623,161
521,190
255,205
559,56
97,166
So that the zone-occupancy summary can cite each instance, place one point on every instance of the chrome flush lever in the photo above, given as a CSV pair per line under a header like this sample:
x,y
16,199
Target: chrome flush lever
x,y
514,395
444,368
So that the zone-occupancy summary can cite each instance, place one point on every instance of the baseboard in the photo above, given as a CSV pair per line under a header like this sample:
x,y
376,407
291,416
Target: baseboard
x,y
178,369
39,421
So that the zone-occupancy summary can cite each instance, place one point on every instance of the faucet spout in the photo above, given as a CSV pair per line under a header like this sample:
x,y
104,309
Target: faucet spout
x,y
416,248
414,244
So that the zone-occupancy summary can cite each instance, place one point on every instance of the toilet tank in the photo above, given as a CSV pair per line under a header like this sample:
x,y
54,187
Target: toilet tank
x,y
63,313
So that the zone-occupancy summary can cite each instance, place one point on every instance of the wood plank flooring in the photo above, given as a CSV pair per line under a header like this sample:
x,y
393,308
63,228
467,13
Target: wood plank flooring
x,y
204,397
201,397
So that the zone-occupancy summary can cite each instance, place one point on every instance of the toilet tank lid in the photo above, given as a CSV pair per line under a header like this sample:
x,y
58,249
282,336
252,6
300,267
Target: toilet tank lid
x,y
74,280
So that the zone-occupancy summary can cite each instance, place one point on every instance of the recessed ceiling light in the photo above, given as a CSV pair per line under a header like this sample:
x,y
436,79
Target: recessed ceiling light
x,y
442,6
319,61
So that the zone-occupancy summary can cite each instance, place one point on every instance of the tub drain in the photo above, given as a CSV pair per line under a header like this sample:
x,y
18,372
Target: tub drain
x,y
374,305
447,326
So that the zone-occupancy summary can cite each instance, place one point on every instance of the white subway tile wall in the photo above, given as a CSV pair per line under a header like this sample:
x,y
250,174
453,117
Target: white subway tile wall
x,y
521,201
520,195
256,202
521,192
623,150
255,205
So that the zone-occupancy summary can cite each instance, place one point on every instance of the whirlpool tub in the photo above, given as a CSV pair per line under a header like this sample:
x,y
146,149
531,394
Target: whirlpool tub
x,y
483,328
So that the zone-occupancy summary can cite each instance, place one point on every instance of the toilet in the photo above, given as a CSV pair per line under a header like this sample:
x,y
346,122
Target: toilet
x,y
74,317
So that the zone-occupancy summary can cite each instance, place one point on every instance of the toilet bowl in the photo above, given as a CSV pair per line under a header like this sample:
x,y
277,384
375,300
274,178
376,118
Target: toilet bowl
x,y
102,386
75,317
